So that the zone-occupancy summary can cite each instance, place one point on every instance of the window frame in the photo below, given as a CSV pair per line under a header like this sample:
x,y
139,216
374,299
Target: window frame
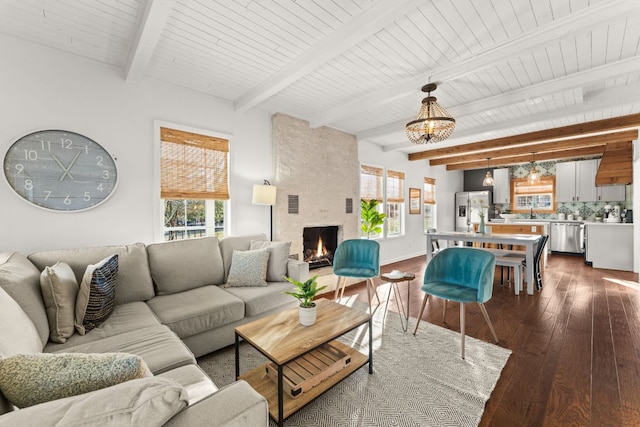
x,y
429,203
546,180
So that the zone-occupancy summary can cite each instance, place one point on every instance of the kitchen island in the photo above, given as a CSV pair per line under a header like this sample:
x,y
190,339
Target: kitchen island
x,y
609,245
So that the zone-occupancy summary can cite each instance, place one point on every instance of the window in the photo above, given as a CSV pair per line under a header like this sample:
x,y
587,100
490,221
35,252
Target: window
x,y
395,203
371,186
429,203
194,183
540,196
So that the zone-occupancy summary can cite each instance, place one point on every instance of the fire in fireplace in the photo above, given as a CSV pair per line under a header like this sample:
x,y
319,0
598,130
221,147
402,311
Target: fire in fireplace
x,y
319,245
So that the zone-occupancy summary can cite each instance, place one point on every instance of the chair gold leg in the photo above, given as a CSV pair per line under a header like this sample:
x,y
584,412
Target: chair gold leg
x,y
341,280
486,318
444,310
424,303
462,331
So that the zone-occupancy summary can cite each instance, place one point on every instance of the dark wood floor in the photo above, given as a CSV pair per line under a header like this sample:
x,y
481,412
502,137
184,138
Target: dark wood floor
x,y
575,344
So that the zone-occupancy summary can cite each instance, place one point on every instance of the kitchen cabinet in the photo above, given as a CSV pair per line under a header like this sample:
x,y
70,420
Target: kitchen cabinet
x,y
501,186
610,245
575,181
611,193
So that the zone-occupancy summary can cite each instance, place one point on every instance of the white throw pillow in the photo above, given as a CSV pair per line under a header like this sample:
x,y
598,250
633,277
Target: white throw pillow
x,y
18,334
59,292
278,258
248,268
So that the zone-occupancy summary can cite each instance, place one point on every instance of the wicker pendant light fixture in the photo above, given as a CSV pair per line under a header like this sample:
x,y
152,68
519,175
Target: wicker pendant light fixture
x,y
433,124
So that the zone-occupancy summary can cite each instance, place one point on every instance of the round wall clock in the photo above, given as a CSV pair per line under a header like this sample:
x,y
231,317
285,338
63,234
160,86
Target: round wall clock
x,y
60,170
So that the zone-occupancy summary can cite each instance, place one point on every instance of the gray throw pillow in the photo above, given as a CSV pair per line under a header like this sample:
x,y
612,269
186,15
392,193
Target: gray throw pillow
x,y
248,268
278,258
59,291
30,379
17,332
97,295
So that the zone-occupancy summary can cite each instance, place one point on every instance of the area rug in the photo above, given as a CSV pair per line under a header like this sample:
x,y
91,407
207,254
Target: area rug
x,y
417,381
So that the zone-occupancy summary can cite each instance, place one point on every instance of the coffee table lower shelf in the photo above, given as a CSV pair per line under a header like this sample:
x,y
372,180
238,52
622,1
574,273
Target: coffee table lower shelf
x,y
260,381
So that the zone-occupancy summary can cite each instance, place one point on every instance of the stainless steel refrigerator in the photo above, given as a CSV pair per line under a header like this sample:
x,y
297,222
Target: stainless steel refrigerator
x,y
468,208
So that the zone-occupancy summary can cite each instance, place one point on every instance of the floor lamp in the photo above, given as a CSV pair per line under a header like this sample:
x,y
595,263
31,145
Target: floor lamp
x,y
265,194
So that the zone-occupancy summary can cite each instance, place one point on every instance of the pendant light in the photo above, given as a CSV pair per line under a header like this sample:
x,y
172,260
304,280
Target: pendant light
x,y
488,179
534,176
433,124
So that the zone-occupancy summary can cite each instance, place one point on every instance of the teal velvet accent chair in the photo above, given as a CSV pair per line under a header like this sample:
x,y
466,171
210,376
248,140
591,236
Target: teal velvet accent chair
x,y
463,275
357,258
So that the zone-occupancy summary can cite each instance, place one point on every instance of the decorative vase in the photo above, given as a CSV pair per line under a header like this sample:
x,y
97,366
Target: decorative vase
x,y
307,315
481,229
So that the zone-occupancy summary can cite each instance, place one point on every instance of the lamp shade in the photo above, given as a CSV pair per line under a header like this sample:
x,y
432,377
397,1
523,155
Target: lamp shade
x,y
264,195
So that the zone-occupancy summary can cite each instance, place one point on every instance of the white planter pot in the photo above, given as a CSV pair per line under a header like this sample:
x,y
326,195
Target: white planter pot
x,y
307,315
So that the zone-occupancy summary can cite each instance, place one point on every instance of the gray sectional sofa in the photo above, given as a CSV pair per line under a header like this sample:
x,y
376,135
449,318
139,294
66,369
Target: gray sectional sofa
x,y
171,306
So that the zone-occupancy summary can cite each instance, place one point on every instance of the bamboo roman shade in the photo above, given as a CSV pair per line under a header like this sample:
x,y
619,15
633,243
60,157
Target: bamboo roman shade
x,y
371,183
429,191
395,187
193,166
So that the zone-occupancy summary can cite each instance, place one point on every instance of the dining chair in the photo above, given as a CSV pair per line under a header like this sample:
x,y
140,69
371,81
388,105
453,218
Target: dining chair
x,y
435,245
357,258
537,256
460,274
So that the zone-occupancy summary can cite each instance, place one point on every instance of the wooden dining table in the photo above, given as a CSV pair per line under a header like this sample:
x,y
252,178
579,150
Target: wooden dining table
x,y
529,241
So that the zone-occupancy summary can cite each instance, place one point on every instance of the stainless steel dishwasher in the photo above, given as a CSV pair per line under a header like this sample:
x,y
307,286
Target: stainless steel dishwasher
x,y
567,237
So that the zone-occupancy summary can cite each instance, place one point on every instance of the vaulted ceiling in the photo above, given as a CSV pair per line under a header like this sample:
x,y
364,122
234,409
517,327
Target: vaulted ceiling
x,y
503,67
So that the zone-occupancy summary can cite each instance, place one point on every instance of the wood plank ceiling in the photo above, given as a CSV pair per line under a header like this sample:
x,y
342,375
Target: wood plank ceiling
x,y
504,67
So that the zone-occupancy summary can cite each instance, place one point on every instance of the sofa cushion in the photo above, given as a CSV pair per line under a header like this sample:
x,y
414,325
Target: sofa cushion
x,y
31,379
185,264
160,348
21,279
17,332
248,268
134,279
59,291
196,310
125,318
260,300
278,258
237,243
148,401
97,295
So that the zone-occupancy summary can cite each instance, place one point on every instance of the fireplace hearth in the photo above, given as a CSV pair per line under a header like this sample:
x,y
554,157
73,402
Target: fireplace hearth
x,y
319,245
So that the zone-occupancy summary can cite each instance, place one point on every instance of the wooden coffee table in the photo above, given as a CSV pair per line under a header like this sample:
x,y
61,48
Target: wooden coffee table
x,y
282,339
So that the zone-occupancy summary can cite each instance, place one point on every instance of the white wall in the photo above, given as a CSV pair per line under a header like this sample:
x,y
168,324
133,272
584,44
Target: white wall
x,y
413,243
48,89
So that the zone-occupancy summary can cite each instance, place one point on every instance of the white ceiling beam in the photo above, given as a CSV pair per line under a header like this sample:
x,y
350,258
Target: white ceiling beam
x,y
576,80
593,101
584,20
380,15
151,21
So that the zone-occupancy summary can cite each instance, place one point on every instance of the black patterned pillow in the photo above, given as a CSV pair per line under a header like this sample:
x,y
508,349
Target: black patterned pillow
x,y
97,296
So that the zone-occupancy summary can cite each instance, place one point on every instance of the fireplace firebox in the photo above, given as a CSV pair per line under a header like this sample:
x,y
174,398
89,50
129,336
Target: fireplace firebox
x,y
319,245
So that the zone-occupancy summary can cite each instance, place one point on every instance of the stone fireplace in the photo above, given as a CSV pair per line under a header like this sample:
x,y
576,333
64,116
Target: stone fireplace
x,y
318,174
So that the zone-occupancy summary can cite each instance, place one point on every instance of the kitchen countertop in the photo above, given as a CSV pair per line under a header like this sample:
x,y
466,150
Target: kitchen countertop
x,y
608,224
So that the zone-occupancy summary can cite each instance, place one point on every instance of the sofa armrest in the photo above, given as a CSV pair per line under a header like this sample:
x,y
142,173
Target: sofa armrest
x,y
236,405
297,270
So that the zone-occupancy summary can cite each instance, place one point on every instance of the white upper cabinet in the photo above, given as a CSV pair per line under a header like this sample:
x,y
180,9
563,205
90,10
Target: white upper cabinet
x,y
611,193
501,186
575,181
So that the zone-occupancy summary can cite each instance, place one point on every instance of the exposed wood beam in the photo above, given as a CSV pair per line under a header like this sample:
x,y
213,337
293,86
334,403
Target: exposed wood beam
x,y
616,123
374,19
574,153
587,19
616,166
151,22
551,146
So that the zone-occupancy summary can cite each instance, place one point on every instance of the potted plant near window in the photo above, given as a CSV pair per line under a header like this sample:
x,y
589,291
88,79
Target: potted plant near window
x,y
371,218
305,292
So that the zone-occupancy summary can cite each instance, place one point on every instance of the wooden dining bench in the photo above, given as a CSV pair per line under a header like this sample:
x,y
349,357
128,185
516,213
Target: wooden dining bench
x,y
515,262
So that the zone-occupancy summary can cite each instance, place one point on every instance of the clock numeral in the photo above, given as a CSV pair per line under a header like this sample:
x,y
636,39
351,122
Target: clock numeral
x,y
28,184
67,200
19,168
99,187
66,143
87,196
105,174
86,150
30,155
46,145
99,161
48,194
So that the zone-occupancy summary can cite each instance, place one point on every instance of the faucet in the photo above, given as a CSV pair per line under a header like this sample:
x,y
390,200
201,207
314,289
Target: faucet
x,y
531,215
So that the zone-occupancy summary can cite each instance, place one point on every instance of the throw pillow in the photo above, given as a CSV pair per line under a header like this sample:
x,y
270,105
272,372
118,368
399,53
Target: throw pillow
x,y
59,291
30,379
97,295
278,258
18,334
248,268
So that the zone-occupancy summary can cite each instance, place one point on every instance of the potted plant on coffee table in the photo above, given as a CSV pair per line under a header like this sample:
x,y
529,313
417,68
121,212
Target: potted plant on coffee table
x,y
305,292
